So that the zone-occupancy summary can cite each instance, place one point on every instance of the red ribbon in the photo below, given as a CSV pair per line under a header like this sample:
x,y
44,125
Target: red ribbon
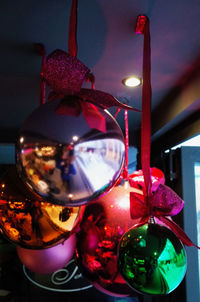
x,y
125,173
72,42
102,99
91,113
65,74
93,117
156,199
178,231
146,109
89,100
43,82
41,51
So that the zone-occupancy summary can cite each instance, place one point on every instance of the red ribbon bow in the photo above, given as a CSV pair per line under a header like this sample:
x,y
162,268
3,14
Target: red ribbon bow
x,y
75,107
161,203
85,101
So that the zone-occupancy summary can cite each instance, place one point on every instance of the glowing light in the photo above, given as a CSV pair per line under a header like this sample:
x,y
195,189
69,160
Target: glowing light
x,y
132,81
21,139
70,196
75,138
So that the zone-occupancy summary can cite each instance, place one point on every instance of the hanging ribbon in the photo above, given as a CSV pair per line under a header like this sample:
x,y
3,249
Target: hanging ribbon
x,y
65,75
142,26
125,173
72,42
42,82
156,199
41,51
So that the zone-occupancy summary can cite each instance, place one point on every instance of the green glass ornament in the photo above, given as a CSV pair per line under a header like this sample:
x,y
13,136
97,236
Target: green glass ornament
x,y
151,259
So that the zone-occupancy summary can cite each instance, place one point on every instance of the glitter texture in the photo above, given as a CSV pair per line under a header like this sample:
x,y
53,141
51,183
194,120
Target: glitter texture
x,y
64,73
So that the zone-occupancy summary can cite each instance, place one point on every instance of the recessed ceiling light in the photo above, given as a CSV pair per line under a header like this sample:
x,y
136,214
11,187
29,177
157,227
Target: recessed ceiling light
x,y
132,81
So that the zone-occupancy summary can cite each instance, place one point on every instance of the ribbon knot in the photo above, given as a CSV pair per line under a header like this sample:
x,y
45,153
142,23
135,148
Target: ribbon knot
x,y
90,102
74,105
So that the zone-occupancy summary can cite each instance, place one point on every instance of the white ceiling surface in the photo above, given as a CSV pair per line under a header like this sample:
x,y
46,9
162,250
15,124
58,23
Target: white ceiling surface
x,y
106,44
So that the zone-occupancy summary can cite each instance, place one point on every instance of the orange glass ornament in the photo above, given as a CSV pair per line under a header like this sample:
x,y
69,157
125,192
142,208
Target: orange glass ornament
x,y
28,221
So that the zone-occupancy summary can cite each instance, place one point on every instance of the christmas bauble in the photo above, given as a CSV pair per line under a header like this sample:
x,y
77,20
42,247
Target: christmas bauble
x,y
28,221
104,222
49,260
152,259
63,159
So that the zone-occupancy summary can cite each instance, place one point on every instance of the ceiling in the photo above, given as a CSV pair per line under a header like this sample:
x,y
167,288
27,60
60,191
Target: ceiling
x,y
108,46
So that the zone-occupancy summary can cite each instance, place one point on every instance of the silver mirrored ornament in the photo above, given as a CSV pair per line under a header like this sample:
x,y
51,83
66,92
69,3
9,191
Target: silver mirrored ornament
x,y
66,161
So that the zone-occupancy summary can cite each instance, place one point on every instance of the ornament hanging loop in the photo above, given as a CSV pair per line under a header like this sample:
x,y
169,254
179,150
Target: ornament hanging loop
x,y
125,173
151,220
142,27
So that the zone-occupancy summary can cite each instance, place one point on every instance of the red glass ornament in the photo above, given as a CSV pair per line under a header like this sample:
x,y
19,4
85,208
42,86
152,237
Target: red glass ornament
x,y
28,221
47,261
104,222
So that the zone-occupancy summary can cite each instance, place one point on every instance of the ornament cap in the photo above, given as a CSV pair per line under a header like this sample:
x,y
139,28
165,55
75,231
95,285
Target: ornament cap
x,y
151,220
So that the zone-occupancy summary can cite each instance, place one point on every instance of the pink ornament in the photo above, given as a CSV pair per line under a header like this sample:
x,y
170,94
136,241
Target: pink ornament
x,y
104,223
47,261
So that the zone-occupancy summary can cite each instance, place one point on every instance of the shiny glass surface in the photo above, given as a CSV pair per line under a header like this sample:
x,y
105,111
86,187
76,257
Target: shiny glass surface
x,y
28,221
104,222
152,259
47,261
64,160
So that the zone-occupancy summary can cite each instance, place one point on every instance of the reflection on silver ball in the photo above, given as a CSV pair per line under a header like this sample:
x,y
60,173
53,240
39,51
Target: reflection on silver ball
x,y
64,160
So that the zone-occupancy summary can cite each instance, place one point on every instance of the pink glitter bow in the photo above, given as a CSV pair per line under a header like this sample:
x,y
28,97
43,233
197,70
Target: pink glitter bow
x,y
161,203
64,73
